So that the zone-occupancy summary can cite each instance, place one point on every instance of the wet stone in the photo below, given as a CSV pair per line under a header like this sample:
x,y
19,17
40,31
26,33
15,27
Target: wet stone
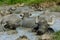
x,y
22,38
45,37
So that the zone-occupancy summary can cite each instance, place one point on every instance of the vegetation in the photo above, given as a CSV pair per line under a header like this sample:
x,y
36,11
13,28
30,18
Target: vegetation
x,y
56,36
26,1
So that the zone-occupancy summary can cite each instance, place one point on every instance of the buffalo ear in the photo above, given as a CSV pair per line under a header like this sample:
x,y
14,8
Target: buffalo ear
x,y
50,30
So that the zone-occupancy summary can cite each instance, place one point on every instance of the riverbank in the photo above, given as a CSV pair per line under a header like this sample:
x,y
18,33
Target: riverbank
x,y
26,1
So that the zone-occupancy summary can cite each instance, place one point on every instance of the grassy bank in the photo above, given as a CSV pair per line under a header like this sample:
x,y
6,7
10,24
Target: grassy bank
x,y
25,1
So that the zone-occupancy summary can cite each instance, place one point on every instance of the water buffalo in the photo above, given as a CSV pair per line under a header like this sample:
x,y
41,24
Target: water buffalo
x,y
11,21
42,26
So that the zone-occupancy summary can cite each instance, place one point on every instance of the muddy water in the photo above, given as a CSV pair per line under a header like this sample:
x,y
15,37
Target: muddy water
x,y
22,31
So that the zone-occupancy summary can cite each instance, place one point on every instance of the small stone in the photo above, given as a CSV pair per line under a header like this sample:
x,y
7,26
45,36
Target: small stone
x,y
22,38
19,5
46,37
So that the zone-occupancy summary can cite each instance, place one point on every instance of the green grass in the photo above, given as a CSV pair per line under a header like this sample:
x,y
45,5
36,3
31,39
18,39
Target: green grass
x,y
25,1
20,1
57,36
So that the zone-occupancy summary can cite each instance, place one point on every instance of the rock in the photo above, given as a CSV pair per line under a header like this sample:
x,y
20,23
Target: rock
x,y
11,10
46,37
19,5
22,38
4,12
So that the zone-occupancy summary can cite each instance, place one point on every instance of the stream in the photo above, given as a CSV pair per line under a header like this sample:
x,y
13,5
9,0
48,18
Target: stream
x,y
22,31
